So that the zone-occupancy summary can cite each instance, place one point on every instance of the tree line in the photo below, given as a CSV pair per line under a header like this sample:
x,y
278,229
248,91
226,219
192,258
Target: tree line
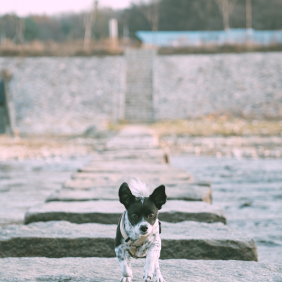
x,y
168,15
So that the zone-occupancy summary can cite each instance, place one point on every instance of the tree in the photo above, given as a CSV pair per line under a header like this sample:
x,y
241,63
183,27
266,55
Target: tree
x,y
249,14
151,10
226,8
88,23
20,28
31,29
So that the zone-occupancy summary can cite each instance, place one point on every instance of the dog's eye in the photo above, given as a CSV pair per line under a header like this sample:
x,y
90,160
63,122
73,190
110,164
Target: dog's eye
x,y
151,215
134,215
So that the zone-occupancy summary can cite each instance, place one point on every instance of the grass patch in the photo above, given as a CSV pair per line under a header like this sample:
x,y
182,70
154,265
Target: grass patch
x,y
213,49
221,126
58,49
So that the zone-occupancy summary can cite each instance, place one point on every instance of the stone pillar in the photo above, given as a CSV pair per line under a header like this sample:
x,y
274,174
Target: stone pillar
x,y
7,112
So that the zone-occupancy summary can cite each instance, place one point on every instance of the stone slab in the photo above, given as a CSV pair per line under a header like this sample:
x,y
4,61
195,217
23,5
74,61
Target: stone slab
x,y
136,130
189,240
95,162
86,184
109,212
107,270
145,155
118,178
192,193
121,168
133,142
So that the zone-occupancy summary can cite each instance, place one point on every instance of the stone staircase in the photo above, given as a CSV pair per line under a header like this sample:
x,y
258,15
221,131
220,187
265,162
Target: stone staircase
x,y
139,86
71,236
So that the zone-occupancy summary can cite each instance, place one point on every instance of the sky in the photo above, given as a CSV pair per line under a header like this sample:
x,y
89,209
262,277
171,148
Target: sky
x,y
26,7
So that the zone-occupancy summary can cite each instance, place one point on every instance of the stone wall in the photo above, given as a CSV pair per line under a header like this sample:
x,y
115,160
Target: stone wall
x,y
64,95
248,85
69,95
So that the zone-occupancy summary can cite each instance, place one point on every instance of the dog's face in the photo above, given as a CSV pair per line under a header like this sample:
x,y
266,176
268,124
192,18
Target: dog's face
x,y
142,212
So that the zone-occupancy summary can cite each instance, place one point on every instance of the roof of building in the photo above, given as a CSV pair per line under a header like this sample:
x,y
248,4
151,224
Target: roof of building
x,y
190,38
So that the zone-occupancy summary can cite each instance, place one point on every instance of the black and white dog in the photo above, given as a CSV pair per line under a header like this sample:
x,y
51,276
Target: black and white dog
x,y
138,230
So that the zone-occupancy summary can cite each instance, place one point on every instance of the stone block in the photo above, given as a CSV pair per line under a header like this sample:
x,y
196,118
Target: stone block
x,y
118,178
189,240
86,184
189,193
109,212
156,155
114,167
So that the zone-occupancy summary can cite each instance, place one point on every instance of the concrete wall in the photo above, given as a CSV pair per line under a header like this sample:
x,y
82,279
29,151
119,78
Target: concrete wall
x,y
68,95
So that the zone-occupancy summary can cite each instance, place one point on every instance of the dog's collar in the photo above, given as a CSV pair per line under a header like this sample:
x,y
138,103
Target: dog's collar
x,y
133,245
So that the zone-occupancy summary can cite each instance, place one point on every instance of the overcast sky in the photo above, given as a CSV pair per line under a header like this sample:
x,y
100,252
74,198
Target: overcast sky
x,y
25,7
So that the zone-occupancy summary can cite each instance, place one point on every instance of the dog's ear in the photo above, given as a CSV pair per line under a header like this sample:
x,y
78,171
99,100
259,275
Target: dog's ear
x,y
159,197
125,195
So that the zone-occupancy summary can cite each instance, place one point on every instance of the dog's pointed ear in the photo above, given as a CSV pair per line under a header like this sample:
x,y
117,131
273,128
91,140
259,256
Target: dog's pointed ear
x,y
125,195
159,197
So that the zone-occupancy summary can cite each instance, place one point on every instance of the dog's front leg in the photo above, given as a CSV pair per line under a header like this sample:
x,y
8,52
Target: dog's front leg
x,y
149,268
124,264
157,275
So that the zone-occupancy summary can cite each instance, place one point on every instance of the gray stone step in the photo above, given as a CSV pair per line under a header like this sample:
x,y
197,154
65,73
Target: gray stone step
x,y
192,193
132,142
112,181
120,177
189,240
136,131
109,212
107,270
88,184
136,161
129,157
121,168
131,153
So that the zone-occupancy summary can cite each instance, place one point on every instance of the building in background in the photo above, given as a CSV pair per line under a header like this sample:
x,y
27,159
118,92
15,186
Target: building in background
x,y
198,38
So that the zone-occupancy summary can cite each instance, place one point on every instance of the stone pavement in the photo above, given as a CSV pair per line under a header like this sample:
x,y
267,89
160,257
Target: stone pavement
x,y
76,221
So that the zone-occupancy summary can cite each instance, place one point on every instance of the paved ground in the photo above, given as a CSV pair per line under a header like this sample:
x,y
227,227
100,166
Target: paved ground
x,y
106,270
28,183
213,243
250,191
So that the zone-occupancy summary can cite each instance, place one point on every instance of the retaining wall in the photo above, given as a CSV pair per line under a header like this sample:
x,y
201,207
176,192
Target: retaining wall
x,y
64,95
68,95
248,85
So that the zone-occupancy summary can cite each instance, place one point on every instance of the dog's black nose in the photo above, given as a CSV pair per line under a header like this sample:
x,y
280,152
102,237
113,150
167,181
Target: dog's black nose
x,y
144,228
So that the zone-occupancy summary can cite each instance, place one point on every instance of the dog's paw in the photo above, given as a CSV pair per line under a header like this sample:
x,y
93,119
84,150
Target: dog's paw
x,y
148,276
158,278
126,279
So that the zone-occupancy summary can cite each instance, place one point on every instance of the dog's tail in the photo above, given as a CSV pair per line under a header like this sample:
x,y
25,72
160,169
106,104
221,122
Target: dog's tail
x,y
139,188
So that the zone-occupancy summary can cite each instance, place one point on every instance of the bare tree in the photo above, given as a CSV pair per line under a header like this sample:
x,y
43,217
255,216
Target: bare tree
x,y
249,14
88,23
249,20
20,27
151,10
226,8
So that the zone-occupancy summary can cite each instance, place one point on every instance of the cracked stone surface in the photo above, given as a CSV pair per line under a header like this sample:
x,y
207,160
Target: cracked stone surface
x,y
189,240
